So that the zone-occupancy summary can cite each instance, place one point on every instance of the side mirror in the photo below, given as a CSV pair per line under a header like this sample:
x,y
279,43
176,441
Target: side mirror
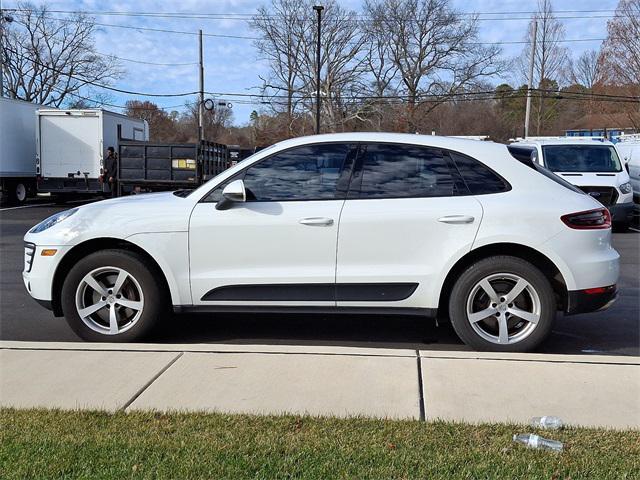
x,y
232,193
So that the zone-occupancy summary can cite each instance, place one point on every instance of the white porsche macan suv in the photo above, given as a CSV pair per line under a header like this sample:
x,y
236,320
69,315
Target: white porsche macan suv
x,y
353,222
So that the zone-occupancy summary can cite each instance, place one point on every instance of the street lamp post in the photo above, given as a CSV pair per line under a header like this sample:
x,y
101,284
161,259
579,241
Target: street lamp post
x,y
318,9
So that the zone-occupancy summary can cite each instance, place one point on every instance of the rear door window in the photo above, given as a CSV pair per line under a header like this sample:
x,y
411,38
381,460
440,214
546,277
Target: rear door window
x,y
405,171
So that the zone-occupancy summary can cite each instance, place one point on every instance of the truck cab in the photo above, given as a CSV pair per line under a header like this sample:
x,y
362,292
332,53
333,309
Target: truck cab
x,y
591,164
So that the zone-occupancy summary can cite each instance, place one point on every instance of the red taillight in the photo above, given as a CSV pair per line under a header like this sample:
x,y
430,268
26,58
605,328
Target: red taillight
x,y
588,220
599,290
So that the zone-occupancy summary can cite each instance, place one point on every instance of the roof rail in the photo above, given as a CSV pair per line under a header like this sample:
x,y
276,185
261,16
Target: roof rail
x,y
629,137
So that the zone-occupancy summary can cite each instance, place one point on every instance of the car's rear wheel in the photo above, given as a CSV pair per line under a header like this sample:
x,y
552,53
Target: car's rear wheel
x,y
502,303
112,296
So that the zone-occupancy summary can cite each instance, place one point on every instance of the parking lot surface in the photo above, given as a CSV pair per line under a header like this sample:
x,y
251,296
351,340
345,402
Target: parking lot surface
x,y
615,331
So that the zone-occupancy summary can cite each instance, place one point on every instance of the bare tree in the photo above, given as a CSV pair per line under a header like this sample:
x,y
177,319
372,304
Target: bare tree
x,y
586,71
550,57
162,127
341,65
280,29
288,40
622,46
49,60
434,48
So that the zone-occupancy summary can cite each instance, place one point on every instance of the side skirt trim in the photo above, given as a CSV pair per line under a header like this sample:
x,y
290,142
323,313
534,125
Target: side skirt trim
x,y
313,292
424,312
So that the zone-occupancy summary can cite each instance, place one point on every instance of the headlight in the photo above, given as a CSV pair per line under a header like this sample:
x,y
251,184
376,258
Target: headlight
x,y
625,187
52,220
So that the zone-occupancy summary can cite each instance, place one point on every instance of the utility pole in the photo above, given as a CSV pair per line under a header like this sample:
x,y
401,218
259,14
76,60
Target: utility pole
x,y
318,8
3,19
201,100
530,83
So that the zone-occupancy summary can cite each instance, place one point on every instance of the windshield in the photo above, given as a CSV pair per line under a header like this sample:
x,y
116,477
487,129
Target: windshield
x,y
581,158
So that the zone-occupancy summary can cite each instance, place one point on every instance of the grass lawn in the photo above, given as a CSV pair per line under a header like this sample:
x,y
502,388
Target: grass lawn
x,y
61,444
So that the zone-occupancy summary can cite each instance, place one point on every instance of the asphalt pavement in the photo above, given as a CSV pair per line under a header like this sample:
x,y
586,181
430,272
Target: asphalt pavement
x,y
615,331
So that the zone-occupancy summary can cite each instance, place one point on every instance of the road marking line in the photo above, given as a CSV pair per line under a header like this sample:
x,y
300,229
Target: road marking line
x,y
27,206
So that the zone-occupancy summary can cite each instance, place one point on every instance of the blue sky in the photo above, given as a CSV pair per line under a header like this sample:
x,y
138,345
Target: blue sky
x,y
233,65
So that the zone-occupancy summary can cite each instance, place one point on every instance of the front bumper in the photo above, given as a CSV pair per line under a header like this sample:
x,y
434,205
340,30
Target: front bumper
x,y
621,212
591,299
39,279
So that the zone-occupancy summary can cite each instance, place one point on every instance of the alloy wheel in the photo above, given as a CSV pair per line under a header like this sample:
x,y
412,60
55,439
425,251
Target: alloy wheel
x,y
503,308
109,300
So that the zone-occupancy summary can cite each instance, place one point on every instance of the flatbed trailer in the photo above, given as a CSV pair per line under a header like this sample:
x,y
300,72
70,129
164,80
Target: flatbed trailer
x,y
152,167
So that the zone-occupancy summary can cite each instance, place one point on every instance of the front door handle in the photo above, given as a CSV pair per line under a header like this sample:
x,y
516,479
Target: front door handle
x,y
457,219
317,221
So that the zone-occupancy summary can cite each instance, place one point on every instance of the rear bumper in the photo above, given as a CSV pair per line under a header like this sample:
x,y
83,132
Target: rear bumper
x,y
621,212
591,300
69,185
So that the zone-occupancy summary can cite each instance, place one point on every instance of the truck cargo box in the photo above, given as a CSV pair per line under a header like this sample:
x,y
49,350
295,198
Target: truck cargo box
x,y
71,146
148,166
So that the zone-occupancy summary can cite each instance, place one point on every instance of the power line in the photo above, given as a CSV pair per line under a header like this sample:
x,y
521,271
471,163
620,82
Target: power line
x,y
245,37
99,85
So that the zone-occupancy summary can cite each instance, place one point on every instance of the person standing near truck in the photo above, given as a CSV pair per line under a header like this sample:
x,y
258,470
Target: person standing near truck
x,y
110,174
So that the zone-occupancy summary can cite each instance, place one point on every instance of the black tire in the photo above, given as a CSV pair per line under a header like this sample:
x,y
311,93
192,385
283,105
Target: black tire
x,y
482,269
155,304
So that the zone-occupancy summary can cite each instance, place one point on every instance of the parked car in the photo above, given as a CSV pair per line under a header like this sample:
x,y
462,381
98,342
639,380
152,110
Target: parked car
x,y
353,222
592,164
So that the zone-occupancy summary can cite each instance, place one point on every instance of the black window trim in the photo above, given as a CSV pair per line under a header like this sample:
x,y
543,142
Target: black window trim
x,y
350,160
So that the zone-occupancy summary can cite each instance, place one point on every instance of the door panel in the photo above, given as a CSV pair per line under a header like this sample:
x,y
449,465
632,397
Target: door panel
x,y
404,222
279,247
261,243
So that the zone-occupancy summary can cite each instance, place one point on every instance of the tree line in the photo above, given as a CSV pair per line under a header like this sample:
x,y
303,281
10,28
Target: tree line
x,y
395,65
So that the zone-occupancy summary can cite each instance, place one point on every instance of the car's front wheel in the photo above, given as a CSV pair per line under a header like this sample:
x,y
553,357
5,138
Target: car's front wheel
x,y
112,296
502,303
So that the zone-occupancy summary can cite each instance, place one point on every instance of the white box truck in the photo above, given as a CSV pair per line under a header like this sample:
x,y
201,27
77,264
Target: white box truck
x,y
71,146
17,149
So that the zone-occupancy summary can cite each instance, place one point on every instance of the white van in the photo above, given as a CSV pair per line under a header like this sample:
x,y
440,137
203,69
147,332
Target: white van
x,y
629,150
591,164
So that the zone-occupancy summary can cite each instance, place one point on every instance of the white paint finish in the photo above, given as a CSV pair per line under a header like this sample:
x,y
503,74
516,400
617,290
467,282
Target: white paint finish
x,y
17,138
473,390
402,240
42,271
76,379
298,384
169,249
262,243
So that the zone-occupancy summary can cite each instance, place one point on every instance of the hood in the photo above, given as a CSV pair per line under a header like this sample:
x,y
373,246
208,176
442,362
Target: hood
x,y
120,218
583,179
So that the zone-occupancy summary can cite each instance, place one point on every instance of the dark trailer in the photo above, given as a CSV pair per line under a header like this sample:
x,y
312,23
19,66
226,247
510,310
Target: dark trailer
x,y
152,167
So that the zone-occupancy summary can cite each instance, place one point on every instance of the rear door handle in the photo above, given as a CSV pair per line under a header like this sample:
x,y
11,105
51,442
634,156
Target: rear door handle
x,y
317,221
457,219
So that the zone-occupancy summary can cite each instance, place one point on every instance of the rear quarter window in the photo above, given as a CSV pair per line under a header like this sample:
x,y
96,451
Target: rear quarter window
x,y
479,178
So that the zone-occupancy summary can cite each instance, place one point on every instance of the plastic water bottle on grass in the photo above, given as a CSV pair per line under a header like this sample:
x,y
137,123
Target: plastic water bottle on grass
x,y
537,442
547,423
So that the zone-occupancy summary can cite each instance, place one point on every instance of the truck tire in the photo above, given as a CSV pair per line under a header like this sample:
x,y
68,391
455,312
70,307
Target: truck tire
x,y
20,193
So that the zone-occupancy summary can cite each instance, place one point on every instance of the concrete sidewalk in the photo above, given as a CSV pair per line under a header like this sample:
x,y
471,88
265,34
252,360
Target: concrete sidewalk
x,y
462,386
